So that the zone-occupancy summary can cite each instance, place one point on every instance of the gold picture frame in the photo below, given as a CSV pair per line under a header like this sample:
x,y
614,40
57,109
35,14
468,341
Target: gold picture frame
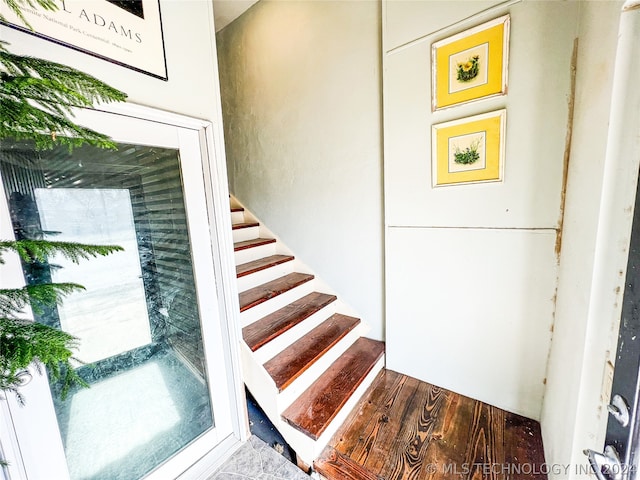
x,y
469,150
471,65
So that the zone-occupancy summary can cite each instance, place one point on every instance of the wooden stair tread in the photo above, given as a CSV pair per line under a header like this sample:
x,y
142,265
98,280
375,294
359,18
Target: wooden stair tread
x,y
294,360
239,226
237,209
267,328
260,294
254,242
312,411
261,264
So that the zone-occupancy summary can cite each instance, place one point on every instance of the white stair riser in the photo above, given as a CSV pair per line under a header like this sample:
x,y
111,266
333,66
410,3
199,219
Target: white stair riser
x,y
256,313
247,233
264,276
254,253
304,381
260,384
275,346
237,217
308,449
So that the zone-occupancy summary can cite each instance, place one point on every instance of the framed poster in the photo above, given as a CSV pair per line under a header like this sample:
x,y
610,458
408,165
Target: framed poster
x,y
469,150
471,65
125,32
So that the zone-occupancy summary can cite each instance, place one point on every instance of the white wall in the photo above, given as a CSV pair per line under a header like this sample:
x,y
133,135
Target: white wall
x,y
572,383
471,270
290,71
302,107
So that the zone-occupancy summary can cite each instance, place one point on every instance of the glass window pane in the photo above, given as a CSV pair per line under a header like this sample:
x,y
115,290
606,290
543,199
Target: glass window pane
x,y
78,215
138,319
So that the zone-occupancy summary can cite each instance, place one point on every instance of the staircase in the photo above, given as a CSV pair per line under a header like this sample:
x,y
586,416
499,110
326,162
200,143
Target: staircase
x,y
304,356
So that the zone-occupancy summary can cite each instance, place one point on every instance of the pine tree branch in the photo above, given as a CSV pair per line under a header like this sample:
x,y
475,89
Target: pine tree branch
x,y
87,86
24,342
37,98
23,122
37,101
13,300
17,5
53,96
40,250
46,129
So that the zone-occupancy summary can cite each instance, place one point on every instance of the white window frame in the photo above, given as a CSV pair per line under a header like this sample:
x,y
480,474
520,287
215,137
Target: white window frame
x,y
216,199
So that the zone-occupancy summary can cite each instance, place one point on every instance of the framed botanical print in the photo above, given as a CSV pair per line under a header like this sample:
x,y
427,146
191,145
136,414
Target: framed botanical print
x,y
469,150
471,65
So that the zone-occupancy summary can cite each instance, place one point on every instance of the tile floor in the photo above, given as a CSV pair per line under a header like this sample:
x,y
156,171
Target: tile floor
x,y
257,460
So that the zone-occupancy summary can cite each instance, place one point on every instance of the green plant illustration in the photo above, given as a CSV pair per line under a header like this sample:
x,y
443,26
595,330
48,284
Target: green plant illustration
x,y
468,155
468,70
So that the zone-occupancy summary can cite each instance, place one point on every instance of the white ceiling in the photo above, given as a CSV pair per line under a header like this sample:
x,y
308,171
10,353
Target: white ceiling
x,y
226,11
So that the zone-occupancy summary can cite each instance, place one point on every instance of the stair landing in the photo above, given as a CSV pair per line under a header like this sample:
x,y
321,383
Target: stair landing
x,y
405,429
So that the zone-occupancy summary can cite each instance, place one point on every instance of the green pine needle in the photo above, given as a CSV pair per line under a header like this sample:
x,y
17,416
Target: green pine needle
x,y
16,5
14,300
40,250
23,342
37,101
37,98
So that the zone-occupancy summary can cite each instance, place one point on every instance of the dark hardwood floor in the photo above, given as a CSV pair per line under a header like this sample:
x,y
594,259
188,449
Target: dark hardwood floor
x,y
410,430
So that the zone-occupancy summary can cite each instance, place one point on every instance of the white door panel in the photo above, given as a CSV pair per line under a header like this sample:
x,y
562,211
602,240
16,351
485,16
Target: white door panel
x,y
159,379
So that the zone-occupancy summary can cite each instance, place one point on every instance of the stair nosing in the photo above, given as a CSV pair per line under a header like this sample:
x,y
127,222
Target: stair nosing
x,y
302,278
255,242
292,319
281,259
240,226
